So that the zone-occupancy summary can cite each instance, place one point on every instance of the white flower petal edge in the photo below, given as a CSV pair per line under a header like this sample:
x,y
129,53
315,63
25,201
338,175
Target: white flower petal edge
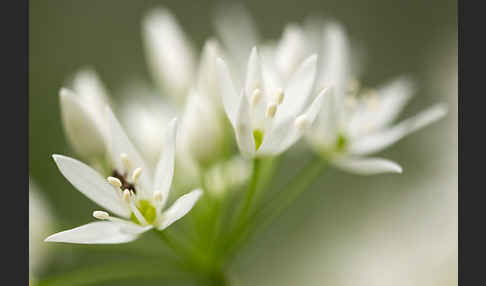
x,y
382,139
228,93
164,171
121,144
366,166
298,91
171,56
91,184
179,208
100,232
243,128
84,131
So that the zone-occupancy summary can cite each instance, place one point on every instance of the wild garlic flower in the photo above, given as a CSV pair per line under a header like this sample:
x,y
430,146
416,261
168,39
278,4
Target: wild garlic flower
x,y
202,130
268,119
130,193
173,60
356,122
192,86
146,115
82,110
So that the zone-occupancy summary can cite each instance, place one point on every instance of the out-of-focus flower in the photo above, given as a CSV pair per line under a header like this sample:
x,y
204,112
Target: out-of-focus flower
x,y
170,55
173,60
82,114
268,119
227,175
145,116
130,192
202,130
356,122
41,223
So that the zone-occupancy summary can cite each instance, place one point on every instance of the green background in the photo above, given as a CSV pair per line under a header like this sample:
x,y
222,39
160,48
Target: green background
x,y
388,221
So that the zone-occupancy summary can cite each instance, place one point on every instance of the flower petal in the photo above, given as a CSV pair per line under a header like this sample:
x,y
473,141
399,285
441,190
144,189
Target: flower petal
x,y
253,73
100,232
164,171
121,144
171,56
237,30
91,184
382,110
227,90
334,59
243,128
383,139
84,131
285,134
179,208
298,91
366,166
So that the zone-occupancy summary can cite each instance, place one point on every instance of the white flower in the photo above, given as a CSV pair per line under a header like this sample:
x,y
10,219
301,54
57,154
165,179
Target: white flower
x,y
145,116
202,130
82,114
130,193
356,122
41,223
268,119
170,55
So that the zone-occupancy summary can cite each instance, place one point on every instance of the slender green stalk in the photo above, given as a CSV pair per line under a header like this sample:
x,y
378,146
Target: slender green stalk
x,y
275,207
250,193
301,182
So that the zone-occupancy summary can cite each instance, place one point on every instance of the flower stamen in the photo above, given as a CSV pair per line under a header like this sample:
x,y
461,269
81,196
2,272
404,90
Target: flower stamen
x,y
101,215
136,175
271,110
255,98
279,96
114,182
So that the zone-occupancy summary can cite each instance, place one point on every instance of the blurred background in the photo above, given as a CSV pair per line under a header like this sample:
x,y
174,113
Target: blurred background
x,y
345,230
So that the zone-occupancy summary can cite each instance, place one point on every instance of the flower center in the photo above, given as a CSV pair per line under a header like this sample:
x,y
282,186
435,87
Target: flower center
x,y
123,179
147,210
258,136
341,143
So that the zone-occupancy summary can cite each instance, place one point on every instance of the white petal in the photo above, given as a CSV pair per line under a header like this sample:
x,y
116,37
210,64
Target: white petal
x,y
253,73
202,130
243,128
207,76
101,232
393,97
334,59
291,50
227,89
324,131
366,166
179,208
381,110
298,91
165,167
285,134
84,131
89,86
383,139
120,144
91,184
237,31
169,52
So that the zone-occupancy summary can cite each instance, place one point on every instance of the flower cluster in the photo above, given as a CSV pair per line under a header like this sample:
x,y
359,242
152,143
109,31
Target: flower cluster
x,y
241,101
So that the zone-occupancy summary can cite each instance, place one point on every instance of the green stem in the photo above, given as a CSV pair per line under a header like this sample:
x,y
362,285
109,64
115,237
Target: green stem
x,y
250,193
301,182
